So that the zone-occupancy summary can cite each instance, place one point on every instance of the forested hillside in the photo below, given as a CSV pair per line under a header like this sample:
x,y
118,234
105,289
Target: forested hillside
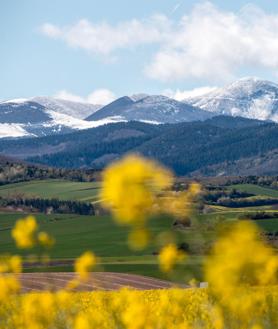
x,y
187,148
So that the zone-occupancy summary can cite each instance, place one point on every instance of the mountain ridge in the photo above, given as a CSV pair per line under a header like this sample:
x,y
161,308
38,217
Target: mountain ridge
x,y
185,147
151,108
251,98
247,97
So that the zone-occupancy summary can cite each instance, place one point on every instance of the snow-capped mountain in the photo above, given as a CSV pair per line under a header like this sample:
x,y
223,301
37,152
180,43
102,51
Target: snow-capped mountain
x,y
150,109
74,109
24,117
40,116
138,97
248,97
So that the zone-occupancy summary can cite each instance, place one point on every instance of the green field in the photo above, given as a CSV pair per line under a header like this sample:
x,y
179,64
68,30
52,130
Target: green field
x,y
60,189
75,234
255,189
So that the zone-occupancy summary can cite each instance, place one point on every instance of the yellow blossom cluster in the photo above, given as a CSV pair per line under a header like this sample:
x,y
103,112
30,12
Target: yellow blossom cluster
x,y
239,260
135,188
26,234
85,264
130,309
11,264
241,269
130,188
169,256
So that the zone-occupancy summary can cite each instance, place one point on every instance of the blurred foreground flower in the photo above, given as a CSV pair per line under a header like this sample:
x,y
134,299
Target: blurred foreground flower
x,y
46,240
11,264
180,204
239,257
169,256
84,264
130,188
138,238
240,260
9,285
24,232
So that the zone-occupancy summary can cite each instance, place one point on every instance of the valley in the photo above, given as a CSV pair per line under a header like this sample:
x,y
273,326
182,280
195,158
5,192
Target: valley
x,y
75,233
53,153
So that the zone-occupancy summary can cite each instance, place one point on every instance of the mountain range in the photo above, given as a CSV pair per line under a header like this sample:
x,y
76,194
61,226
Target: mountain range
x,y
228,131
248,97
150,109
42,116
217,146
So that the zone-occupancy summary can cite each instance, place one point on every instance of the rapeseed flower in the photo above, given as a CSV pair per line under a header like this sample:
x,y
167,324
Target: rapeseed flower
x,y
84,264
169,256
24,232
131,186
240,261
45,240
138,238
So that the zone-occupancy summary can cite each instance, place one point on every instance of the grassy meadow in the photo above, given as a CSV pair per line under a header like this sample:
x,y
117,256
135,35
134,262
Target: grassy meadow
x,y
75,234
255,189
58,189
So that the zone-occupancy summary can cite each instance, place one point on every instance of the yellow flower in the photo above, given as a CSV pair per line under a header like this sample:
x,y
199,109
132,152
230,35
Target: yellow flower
x,y
8,285
82,322
240,259
45,240
84,264
179,204
138,238
24,232
130,188
169,256
16,264
194,189
11,264
38,310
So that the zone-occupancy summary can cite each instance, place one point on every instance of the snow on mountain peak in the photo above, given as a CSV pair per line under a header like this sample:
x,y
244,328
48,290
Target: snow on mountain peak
x,y
15,101
12,130
41,116
248,97
138,97
74,109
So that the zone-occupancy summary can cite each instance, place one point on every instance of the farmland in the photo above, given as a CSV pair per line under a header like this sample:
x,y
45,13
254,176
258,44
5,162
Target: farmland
x,y
75,234
60,189
255,189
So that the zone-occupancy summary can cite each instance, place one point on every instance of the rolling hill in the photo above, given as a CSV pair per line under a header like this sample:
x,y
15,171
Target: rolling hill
x,y
189,147
150,109
43,116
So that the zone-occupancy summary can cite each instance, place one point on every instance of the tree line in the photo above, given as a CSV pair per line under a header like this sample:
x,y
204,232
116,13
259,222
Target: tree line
x,y
50,205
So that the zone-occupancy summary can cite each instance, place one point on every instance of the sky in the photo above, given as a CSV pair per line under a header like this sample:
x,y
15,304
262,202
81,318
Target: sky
x,y
95,51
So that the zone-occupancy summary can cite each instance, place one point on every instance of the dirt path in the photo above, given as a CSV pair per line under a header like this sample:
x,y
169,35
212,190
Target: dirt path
x,y
97,281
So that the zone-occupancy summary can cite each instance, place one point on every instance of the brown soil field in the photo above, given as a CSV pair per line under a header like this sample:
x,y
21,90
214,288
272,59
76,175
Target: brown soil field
x,y
97,281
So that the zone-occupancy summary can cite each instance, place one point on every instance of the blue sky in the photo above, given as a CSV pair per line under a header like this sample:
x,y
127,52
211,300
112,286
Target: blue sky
x,y
74,48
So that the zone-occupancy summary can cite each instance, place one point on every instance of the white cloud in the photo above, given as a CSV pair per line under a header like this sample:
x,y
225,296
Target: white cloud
x,y
207,43
50,30
103,38
180,95
98,97
101,96
64,94
213,44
